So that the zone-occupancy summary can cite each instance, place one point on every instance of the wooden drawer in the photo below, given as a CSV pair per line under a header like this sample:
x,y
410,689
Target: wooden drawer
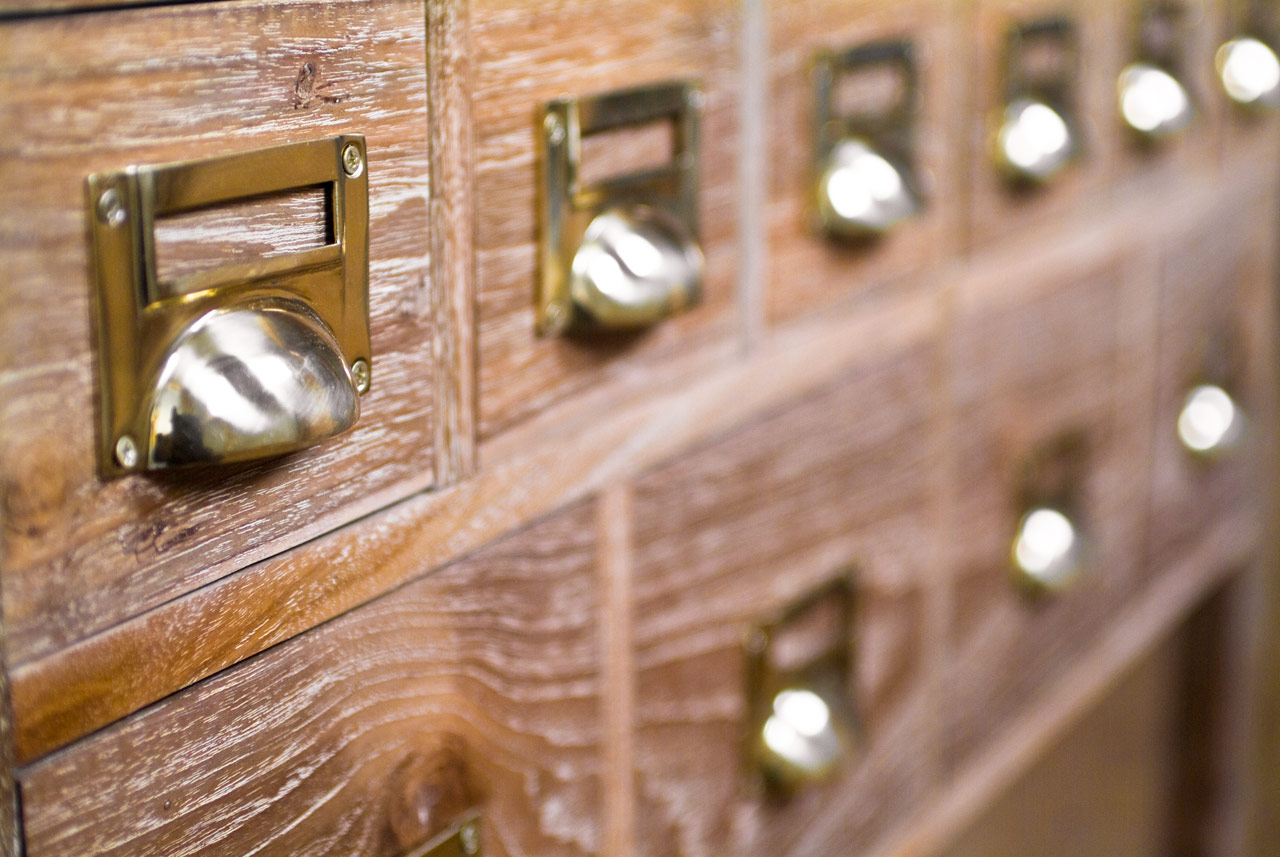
x,y
1048,383
997,209
105,90
728,534
525,54
476,687
809,269
1215,322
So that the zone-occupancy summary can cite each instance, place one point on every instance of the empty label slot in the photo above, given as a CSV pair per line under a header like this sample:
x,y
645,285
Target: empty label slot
x,y
1046,59
626,151
807,637
241,231
870,91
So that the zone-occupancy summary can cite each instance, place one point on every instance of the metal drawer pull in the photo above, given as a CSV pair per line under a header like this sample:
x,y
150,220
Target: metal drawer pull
x,y
802,726
1050,551
1036,138
1153,101
1250,72
1046,549
865,183
249,360
1210,424
621,253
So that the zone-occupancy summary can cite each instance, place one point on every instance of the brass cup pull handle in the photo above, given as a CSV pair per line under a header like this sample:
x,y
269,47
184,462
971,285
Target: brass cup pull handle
x,y
1048,551
862,193
635,267
1249,71
1153,103
248,360
1210,424
1035,142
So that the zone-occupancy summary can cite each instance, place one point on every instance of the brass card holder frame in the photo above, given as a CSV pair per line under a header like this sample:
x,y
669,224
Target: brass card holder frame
x,y
662,198
301,306
889,133
1053,478
1056,90
827,673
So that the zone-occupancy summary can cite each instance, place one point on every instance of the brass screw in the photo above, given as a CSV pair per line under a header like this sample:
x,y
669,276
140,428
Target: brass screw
x,y
126,452
111,208
361,375
352,160
696,99
469,836
555,128
555,317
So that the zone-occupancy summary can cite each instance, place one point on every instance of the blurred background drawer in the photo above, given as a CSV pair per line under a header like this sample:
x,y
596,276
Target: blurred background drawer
x,y
913,98
476,688
529,53
732,533
100,92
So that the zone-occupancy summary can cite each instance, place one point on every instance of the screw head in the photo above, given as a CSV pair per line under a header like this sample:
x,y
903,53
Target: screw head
x,y
352,160
126,452
696,99
361,375
555,317
469,836
111,209
555,128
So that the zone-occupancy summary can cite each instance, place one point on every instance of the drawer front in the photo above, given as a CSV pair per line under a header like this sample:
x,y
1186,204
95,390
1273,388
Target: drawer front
x,y
98,92
998,208
808,268
477,687
1047,381
731,533
1216,305
526,54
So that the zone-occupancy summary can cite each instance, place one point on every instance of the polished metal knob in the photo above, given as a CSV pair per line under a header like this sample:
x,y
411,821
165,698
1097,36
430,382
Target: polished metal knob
x,y
1209,424
1153,102
800,736
862,194
250,382
636,265
1250,72
1048,551
1035,142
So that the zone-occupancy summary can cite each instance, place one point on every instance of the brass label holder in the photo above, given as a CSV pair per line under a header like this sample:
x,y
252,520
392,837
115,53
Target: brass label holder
x,y
1054,85
1036,130
139,317
568,206
802,659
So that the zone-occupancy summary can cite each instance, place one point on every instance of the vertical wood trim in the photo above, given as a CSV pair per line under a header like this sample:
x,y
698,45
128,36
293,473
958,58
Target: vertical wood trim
x,y
10,814
753,169
615,529
452,237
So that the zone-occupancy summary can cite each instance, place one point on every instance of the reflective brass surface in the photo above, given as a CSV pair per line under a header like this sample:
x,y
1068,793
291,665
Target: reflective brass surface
x,y
623,252
635,267
1035,134
1153,102
1050,550
461,839
864,160
1210,424
802,726
1250,73
243,361
1047,550
249,382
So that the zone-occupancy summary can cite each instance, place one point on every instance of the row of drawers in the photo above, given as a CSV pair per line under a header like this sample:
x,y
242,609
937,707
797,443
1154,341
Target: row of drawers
x,y
457,363
490,682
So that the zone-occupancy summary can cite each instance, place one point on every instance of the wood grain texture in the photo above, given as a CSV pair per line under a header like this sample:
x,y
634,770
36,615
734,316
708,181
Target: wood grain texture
x,y
452,236
97,92
526,53
1036,354
93,683
807,270
475,686
1217,324
995,212
729,534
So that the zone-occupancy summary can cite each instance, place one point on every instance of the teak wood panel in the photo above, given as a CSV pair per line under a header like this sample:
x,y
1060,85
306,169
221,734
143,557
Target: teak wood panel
x,y
808,269
477,686
525,54
1036,355
101,91
1216,307
727,535
997,211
